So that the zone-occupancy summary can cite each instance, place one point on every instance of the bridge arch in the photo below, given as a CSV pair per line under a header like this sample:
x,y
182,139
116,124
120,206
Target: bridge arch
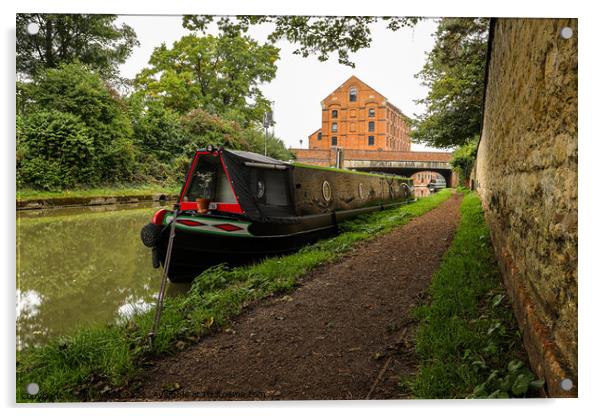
x,y
411,172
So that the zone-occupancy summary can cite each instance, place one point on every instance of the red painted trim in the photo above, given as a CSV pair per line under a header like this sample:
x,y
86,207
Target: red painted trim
x,y
234,208
228,227
189,175
230,209
158,216
190,223
187,206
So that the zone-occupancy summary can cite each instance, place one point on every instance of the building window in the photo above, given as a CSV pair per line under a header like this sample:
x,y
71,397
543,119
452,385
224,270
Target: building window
x,y
371,112
320,136
335,113
370,140
371,126
352,95
334,128
333,141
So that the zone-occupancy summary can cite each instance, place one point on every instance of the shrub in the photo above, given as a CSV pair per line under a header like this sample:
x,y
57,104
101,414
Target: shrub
x,y
74,117
55,150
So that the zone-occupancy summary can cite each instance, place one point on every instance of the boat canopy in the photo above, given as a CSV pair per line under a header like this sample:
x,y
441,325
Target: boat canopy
x,y
262,184
238,182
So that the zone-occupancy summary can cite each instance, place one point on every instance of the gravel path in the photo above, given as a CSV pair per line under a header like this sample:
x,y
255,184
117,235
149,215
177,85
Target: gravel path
x,y
345,333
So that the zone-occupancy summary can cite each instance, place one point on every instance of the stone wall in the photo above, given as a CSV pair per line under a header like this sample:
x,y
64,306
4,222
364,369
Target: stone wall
x,y
526,174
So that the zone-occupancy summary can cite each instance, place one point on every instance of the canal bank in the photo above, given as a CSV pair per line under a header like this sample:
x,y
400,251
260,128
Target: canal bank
x,y
28,199
110,355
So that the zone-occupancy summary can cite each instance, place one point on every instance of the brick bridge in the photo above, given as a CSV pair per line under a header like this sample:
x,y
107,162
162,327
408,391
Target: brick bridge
x,y
401,163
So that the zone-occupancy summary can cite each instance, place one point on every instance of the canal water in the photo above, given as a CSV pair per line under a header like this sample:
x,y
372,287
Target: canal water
x,y
82,266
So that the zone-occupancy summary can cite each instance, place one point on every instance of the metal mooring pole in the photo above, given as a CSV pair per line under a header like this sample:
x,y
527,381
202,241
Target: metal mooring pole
x,y
172,234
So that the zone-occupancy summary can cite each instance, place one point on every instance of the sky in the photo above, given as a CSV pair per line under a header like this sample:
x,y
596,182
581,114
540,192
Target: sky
x,y
388,66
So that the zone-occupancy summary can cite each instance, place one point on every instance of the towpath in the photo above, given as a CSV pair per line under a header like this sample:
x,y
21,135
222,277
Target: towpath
x,y
345,333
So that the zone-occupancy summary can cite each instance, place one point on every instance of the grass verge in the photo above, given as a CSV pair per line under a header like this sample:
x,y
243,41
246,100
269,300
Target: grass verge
x,y
96,362
467,340
126,190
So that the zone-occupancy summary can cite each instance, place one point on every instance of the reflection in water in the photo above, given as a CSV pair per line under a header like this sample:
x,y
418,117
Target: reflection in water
x,y
421,191
131,307
81,266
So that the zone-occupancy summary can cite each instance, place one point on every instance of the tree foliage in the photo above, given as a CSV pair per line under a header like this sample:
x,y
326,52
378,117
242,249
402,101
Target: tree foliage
x,y
71,111
221,75
203,128
454,73
54,151
463,158
91,39
313,35
157,129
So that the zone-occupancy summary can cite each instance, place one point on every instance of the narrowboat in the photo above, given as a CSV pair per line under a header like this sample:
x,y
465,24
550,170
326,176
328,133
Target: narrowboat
x,y
437,184
238,207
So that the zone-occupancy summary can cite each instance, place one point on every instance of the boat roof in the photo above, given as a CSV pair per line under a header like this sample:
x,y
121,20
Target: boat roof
x,y
254,157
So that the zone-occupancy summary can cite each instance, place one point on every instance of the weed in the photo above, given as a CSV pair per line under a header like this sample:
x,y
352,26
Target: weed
x,y
467,339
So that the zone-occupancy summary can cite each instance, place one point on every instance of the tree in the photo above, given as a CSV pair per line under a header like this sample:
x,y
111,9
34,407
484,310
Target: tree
x,y
463,159
157,130
203,128
313,35
219,74
76,93
454,73
90,39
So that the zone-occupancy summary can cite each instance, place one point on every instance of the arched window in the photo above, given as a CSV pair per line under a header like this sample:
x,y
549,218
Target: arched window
x,y
352,94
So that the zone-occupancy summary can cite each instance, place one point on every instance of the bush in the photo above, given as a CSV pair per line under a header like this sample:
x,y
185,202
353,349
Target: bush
x,y
54,150
93,128
157,129
42,174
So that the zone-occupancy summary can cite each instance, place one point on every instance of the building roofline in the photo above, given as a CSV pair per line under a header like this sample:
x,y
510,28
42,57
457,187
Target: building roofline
x,y
369,86
311,134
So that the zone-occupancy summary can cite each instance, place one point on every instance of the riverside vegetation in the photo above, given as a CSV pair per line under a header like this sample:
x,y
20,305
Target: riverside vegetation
x,y
468,343
95,362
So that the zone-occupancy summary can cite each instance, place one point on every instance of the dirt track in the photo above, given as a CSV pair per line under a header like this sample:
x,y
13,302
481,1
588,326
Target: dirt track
x,y
330,338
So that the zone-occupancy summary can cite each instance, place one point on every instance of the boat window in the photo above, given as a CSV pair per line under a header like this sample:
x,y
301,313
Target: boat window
x,y
272,188
202,183
326,191
260,189
209,181
224,191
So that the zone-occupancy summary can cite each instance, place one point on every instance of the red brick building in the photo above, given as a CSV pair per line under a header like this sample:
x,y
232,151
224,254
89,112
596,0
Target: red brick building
x,y
356,116
362,130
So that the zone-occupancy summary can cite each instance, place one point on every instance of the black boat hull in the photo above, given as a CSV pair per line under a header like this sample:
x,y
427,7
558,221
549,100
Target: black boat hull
x,y
194,252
